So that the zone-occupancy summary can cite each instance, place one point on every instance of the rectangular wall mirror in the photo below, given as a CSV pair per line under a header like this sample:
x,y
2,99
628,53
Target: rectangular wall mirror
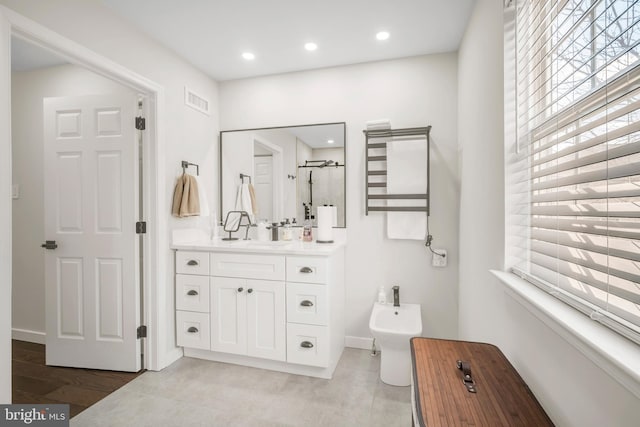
x,y
293,170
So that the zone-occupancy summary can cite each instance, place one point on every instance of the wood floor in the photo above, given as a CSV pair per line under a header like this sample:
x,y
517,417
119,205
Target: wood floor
x,y
34,382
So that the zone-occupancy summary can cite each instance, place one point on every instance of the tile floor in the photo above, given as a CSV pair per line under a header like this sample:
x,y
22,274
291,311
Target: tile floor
x,y
194,392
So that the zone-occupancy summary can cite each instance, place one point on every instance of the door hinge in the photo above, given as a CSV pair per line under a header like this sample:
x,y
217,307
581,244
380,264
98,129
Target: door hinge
x,y
141,227
140,123
142,331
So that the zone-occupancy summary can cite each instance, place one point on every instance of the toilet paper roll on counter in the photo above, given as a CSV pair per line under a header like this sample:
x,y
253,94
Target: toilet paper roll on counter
x,y
325,224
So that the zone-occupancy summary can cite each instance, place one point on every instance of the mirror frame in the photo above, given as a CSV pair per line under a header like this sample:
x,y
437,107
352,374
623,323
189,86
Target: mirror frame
x,y
344,138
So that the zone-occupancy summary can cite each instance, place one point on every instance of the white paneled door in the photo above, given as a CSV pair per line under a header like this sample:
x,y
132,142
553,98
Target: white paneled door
x,y
91,193
263,183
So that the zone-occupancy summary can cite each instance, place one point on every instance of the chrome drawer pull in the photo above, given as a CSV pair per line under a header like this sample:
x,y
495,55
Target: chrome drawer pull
x,y
306,344
192,330
192,262
192,292
306,270
306,303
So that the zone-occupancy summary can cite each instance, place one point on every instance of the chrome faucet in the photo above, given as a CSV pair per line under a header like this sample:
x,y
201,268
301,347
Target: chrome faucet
x,y
396,296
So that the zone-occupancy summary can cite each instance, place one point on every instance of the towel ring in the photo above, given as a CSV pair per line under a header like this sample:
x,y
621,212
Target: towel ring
x,y
186,164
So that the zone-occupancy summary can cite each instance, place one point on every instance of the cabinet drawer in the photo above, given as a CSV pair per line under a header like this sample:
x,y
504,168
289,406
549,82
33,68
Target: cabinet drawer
x,y
267,267
192,262
307,303
308,345
306,269
192,293
192,330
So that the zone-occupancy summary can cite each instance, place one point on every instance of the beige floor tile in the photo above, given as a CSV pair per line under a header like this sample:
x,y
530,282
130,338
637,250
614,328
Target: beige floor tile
x,y
194,392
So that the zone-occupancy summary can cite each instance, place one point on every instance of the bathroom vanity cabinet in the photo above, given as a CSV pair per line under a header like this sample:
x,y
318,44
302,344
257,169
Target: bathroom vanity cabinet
x,y
277,307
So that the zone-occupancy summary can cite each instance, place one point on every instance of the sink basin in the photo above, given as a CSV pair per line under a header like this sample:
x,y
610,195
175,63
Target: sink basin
x,y
403,321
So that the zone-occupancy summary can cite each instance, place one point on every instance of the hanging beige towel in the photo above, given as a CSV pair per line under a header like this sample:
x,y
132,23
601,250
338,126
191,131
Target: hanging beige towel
x,y
186,200
177,196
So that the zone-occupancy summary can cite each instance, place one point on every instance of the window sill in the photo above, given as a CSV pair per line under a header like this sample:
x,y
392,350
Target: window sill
x,y
616,355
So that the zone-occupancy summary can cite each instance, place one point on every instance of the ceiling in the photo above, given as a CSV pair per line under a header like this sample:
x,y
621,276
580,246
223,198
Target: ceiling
x,y
316,136
213,34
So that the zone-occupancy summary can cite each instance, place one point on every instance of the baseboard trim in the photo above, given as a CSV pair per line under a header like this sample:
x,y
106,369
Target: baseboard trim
x,y
28,335
358,342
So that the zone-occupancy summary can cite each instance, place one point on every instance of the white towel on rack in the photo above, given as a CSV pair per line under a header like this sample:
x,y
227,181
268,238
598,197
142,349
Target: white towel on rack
x,y
379,124
243,201
202,197
407,174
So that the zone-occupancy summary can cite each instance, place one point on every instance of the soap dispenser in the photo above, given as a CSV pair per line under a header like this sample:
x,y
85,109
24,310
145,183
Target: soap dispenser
x,y
287,233
382,295
307,230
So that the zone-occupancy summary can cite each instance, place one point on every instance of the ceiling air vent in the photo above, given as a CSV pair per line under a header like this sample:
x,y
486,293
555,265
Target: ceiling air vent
x,y
196,101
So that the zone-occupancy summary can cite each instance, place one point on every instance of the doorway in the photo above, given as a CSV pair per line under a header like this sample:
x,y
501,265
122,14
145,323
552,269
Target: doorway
x,y
268,178
155,244
76,180
74,185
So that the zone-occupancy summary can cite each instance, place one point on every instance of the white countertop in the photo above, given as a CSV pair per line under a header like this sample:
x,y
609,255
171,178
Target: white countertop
x,y
294,247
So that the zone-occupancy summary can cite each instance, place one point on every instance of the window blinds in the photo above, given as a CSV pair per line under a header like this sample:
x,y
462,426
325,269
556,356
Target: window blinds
x,y
575,181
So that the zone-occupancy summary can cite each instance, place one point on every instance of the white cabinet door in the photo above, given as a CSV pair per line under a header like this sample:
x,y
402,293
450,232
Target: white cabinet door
x,y
228,315
266,320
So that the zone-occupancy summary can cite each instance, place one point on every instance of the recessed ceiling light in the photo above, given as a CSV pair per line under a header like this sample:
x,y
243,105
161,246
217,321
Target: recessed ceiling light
x,y
310,46
382,35
248,56
330,141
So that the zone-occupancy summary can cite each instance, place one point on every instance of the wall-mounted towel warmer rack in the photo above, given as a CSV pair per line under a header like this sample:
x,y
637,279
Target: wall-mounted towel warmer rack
x,y
243,176
186,164
376,144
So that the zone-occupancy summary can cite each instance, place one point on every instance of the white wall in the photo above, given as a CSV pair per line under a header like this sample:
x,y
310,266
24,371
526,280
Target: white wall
x,y
234,165
189,134
572,389
410,92
5,215
28,89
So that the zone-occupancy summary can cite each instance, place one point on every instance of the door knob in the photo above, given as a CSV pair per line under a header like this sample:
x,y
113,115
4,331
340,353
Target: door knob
x,y
49,244
249,290
240,289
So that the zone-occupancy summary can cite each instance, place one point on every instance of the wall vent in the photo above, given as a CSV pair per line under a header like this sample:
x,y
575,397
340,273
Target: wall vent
x,y
196,101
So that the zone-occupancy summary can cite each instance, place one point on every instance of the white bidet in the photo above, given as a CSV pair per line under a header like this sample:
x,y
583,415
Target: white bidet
x,y
392,327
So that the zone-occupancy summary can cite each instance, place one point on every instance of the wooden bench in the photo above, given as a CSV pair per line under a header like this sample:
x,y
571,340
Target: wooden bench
x,y
495,395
